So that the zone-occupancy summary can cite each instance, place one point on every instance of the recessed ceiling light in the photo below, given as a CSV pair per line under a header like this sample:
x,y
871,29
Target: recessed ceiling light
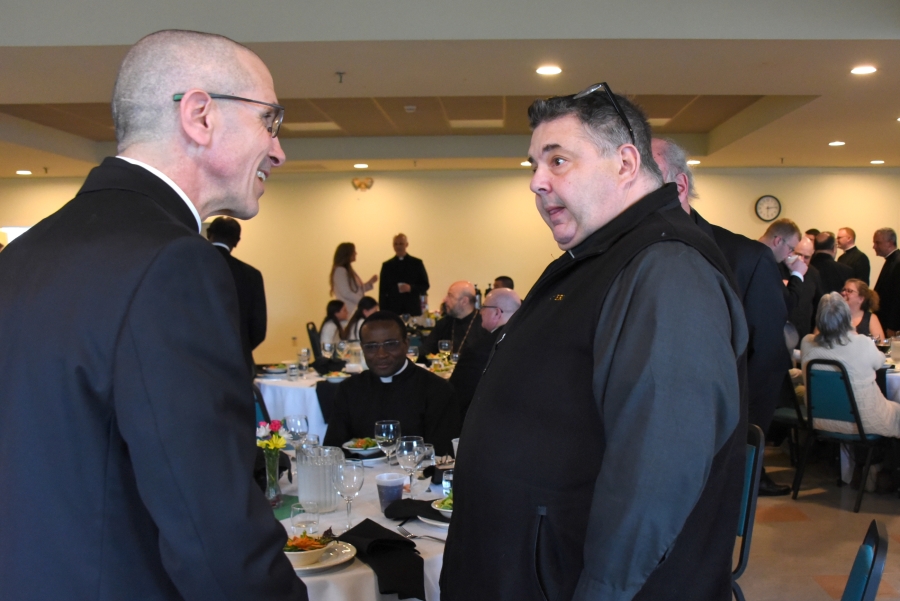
x,y
836,143
863,70
361,166
525,163
877,162
693,162
549,70
23,172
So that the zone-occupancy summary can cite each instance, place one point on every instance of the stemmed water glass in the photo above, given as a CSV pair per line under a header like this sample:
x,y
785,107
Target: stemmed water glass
x,y
347,478
409,453
444,346
303,360
422,482
327,349
413,353
387,434
297,426
341,349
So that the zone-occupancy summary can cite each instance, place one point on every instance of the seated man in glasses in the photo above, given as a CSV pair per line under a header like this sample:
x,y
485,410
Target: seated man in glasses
x,y
393,388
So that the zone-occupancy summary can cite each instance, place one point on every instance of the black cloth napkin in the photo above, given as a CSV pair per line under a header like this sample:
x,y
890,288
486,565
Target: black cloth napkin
x,y
404,509
394,559
355,455
325,391
323,365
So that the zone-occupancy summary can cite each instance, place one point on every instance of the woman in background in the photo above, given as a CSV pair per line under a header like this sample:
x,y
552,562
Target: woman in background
x,y
332,329
367,305
863,302
346,285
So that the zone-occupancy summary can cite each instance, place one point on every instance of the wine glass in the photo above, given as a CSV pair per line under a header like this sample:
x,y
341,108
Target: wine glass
x,y
413,353
347,478
297,426
422,482
303,360
444,346
409,453
454,358
387,434
405,317
341,349
327,349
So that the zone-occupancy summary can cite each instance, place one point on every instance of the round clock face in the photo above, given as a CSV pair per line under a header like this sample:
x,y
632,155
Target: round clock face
x,y
768,208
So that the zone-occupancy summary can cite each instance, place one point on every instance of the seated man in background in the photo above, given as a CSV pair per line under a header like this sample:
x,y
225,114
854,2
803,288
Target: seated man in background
x,y
499,305
461,324
393,388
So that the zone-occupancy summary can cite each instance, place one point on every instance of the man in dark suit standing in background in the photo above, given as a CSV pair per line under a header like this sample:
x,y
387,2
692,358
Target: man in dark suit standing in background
x,y
833,274
853,257
121,342
884,242
225,233
403,281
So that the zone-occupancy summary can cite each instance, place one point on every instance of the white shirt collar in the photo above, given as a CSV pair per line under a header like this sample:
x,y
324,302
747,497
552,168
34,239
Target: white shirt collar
x,y
390,379
169,181
222,245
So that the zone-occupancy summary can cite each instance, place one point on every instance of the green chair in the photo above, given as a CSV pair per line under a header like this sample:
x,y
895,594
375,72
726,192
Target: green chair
x,y
829,395
865,576
752,470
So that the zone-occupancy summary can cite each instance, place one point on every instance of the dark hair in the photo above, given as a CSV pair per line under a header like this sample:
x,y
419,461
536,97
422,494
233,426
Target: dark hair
x,y
812,232
384,316
224,229
331,310
343,256
366,303
602,122
824,241
869,296
505,280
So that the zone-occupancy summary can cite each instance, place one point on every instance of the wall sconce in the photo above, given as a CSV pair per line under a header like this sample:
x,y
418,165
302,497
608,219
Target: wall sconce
x,y
362,184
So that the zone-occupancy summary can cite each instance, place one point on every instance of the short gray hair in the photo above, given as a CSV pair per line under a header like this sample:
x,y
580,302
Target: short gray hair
x,y
888,234
676,164
833,321
166,63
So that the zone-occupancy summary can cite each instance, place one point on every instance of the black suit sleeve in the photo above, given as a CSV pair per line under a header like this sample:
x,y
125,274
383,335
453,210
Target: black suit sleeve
x,y
420,285
442,416
257,314
185,409
338,431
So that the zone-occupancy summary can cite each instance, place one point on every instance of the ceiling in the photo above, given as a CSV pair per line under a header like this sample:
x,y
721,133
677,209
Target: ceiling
x,y
461,104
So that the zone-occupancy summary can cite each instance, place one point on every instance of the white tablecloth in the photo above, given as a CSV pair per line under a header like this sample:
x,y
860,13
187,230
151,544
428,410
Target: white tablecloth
x,y
285,397
355,581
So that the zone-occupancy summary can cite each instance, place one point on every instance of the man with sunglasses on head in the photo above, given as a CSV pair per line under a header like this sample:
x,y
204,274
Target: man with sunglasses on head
x,y
393,388
126,412
612,408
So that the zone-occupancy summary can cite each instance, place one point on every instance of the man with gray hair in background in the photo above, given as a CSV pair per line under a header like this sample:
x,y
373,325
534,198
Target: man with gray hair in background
x,y
757,278
122,348
884,242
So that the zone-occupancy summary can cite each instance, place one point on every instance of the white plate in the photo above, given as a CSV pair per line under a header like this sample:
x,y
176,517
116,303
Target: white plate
x,y
339,553
362,452
336,379
275,370
447,513
443,525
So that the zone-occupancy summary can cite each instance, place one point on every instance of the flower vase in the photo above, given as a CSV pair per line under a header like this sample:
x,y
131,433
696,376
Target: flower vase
x,y
273,489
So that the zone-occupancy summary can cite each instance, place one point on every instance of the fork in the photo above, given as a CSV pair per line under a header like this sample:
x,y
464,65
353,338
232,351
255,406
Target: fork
x,y
407,534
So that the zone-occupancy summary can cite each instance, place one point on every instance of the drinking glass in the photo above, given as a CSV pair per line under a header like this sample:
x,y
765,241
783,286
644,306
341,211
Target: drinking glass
x,y
454,358
341,349
303,360
422,482
444,346
297,427
327,349
409,453
405,317
884,345
413,353
387,434
304,518
447,482
347,479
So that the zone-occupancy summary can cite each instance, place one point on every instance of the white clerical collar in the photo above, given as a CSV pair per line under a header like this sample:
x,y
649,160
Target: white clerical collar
x,y
222,245
390,379
169,181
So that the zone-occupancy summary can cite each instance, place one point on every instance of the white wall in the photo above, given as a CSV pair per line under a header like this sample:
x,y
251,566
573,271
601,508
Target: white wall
x,y
470,225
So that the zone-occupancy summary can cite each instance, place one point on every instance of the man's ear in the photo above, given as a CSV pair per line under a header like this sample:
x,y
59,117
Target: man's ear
x,y
681,181
630,162
195,112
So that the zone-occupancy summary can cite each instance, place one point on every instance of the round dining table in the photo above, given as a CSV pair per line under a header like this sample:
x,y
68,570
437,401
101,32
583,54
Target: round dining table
x,y
285,397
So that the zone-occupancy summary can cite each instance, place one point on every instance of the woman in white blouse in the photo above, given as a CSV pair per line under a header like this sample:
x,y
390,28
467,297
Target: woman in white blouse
x,y
346,285
366,307
332,329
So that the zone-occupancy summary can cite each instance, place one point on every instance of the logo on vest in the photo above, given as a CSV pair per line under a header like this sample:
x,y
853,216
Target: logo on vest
x,y
558,297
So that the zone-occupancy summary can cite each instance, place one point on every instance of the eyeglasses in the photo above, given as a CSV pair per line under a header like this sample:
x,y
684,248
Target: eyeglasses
x,y
783,241
388,345
273,120
612,99
483,307
849,290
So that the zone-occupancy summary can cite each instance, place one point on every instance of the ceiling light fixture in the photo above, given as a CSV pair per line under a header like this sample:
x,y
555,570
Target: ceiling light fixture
x,y
836,143
361,166
23,172
877,162
693,162
863,70
525,163
549,70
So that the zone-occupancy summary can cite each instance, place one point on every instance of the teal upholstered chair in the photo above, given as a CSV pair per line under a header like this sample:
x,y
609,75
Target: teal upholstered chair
x,y
752,470
865,576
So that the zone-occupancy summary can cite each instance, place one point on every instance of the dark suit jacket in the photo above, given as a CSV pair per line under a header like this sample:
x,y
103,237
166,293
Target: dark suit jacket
x,y
809,293
126,417
471,364
888,289
833,274
410,271
858,262
251,295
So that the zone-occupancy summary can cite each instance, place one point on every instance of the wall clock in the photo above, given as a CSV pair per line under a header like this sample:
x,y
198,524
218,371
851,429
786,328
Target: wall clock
x,y
768,208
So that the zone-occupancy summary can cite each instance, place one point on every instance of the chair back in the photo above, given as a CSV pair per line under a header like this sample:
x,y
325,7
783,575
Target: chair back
x,y
865,576
829,394
262,413
314,340
752,472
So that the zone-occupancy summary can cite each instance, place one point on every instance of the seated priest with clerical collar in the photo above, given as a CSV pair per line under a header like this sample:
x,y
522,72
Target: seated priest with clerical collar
x,y
393,388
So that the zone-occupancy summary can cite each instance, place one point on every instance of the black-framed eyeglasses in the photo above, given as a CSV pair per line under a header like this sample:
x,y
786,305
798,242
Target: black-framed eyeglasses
x,y
389,345
612,99
271,126
492,307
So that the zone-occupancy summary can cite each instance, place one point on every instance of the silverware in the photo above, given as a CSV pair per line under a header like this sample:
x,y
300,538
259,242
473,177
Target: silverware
x,y
407,534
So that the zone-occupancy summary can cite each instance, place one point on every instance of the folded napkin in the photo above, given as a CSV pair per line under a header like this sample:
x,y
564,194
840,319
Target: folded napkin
x,y
404,509
394,559
323,365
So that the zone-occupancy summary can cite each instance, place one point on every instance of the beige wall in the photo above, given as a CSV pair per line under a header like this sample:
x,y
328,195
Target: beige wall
x,y
469,225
